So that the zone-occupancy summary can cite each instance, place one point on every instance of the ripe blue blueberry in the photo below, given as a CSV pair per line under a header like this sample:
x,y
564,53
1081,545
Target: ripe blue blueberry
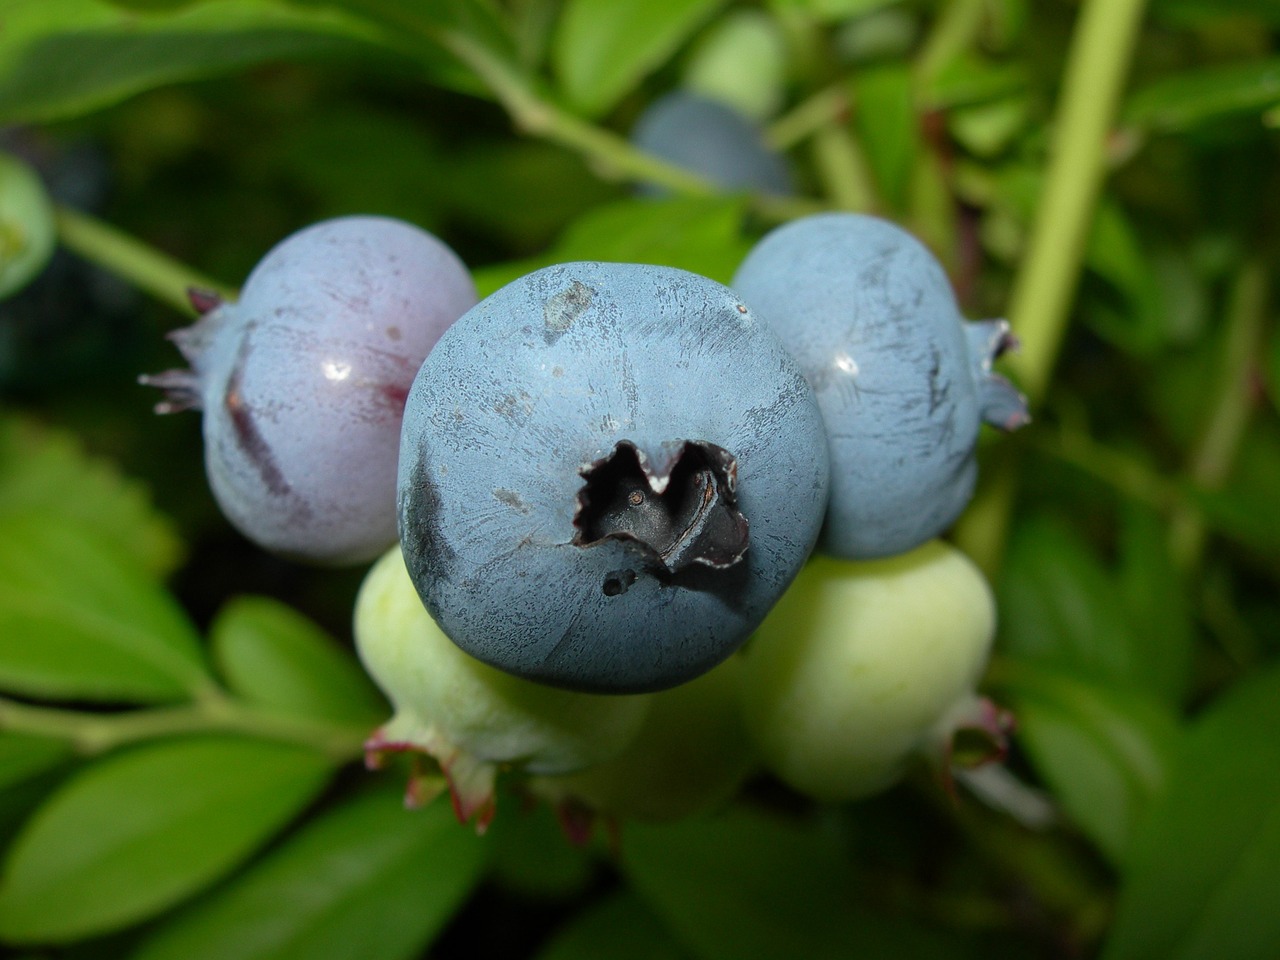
x,y
608,475
712,139
903,382
302,382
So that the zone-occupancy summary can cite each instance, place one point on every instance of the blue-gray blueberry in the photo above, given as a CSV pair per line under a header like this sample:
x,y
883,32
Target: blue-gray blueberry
x,y
712,139
302,382
903,381
608,475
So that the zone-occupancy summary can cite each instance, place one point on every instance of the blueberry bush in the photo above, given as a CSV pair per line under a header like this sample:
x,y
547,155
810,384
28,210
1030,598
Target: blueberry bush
x,y
203,756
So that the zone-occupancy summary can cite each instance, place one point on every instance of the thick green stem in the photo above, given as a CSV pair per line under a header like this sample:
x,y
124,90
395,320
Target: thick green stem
x,y
95,733
537,116
1044,289
132,260
1214,454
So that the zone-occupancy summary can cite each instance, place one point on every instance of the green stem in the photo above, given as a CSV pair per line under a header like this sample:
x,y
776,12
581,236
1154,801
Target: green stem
x,y
952,34
537,116
1044,289
829,105
145,267
843,169
94,733
1215,452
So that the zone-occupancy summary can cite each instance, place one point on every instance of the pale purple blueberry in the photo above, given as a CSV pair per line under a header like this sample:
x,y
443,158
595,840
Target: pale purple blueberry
x,y
608,474
903,381
302,382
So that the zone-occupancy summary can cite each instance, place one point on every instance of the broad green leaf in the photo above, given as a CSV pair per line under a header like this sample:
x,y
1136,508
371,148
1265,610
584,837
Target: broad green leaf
x,y
269,653
699,234
1187,99
23,755
140,830
1060,607
746,886
27,233
367,880
429,31
1104,751
1156,597
45,469
80,620
619,927
888,128
59,58
1203,880
603,48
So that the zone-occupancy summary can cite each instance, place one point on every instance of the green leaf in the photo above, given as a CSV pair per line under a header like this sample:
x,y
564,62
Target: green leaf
x,y
1205,867
1190,98
603,48
619,927
1060,607
27,232
1156,596
59,58
23,756
269,653
746,886
1104,752
699,234
888,128
368,879
44,469
79,620
137,832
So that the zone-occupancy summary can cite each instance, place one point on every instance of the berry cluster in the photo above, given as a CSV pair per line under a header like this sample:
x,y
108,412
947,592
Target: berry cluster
x,y
604,479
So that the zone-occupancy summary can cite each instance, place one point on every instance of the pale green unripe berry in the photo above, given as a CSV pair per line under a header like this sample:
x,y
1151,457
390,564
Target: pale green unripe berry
x,y
863,664
467,715
690,755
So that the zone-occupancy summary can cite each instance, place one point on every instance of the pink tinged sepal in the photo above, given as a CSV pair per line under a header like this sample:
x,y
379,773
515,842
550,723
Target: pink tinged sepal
x,y
436,766
973,734
184,389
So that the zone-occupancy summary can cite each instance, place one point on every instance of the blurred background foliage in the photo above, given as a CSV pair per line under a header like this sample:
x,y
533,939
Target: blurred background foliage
x,y
1103,172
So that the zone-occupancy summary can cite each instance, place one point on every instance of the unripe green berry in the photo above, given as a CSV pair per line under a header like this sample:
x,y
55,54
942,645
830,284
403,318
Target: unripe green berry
x,y
863,664
468,716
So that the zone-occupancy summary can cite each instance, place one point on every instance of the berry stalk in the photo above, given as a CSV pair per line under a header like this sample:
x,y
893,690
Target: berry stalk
x,y
158,274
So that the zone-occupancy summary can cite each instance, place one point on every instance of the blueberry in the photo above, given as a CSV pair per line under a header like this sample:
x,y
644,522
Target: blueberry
x,y
903,382
302,382
712,139
608,475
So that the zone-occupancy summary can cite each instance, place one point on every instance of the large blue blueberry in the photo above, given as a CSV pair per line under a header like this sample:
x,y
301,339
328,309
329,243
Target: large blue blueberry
x,y
712,139
608,475
302,382
902,380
